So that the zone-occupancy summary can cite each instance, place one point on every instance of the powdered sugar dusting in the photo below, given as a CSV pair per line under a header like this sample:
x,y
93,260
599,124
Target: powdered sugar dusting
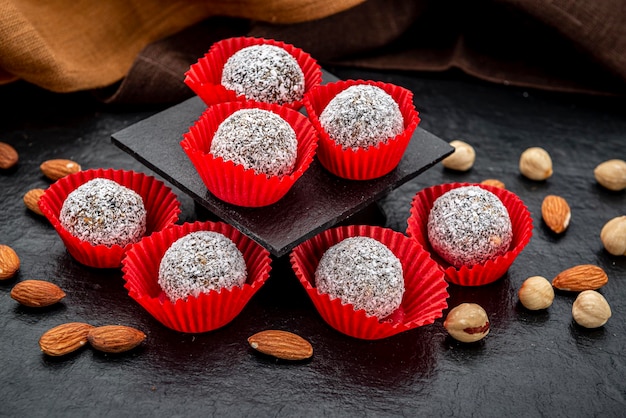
x,y
265,73
257,139
364,272
362,116
102,211
469,225
200,262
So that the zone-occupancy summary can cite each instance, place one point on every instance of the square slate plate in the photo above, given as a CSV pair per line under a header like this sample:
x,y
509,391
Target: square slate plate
x,y
317,201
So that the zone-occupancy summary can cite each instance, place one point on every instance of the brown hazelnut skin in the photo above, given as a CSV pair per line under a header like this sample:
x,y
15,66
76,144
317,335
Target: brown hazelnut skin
x,y
467,322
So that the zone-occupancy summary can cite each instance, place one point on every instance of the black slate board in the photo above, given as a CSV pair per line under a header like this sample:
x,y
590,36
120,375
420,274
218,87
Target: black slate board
x,y
317,201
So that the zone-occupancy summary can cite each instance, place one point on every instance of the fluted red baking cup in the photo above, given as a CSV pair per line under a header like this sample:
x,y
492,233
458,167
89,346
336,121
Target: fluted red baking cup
x,y
160,202
361,164
425,295
204,77
479,274
231,182
207,312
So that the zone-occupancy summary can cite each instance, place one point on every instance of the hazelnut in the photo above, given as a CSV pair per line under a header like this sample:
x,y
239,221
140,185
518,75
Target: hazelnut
x,y
467,322
590,309
463,157
535,163
613,236
611,174
536,293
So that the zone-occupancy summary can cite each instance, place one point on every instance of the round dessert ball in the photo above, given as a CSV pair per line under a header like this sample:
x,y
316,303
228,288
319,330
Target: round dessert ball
x,y
362,116
469,225
103,212
257,139
200,262
265,73
363,272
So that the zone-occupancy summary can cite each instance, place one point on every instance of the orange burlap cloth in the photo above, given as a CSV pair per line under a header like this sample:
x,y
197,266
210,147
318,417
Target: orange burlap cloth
x,y
136,51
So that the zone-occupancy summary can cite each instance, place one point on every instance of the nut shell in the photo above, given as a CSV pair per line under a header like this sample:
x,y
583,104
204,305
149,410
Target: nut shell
x,y
467,322
613,236
581,277
115,338
536,293
281,344
37,293
64,339
611,174
535,163
463,157
9,262
590,309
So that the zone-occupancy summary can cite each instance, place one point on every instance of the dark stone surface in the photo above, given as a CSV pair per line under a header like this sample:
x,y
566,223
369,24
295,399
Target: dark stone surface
x,y
317,201
531,363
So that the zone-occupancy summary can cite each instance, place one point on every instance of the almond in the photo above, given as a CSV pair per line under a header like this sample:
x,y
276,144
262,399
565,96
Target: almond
x,y
8,156
493,182
65,338
556,213
9,262
115,338
581,277
56,169
37,293
281,344
31,200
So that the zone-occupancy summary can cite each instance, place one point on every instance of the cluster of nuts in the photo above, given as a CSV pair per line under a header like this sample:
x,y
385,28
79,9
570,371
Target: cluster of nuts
x,y
590,309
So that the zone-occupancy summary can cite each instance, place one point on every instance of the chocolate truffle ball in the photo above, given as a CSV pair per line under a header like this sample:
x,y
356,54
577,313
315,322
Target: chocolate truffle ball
x,y
257,139
469,225
363,272
362,116
200,262
102,211
265,73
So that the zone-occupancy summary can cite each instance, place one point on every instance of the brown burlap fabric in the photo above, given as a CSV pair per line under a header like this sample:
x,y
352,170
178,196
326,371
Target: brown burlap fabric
x,y
137,51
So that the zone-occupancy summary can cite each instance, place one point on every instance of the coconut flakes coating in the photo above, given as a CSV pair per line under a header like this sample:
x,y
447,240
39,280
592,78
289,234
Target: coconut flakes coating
x,y
257,139
265,73
200,262
363,272
469,225
362,116
103,212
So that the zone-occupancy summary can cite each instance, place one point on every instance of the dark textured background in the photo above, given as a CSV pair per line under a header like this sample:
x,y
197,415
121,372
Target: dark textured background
x,y
531,364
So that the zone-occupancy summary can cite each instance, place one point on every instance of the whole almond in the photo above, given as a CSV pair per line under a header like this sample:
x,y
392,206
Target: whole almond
x,y
31,200
37,293
8,156
281,344
56,169
581,277
115,338
556,213
9,262
65,338
493,182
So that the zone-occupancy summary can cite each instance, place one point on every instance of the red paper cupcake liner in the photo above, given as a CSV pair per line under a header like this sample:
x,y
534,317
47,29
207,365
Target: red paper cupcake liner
x,y
479,274
160,202
208,311
205,76
233,183
361,164
425,295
